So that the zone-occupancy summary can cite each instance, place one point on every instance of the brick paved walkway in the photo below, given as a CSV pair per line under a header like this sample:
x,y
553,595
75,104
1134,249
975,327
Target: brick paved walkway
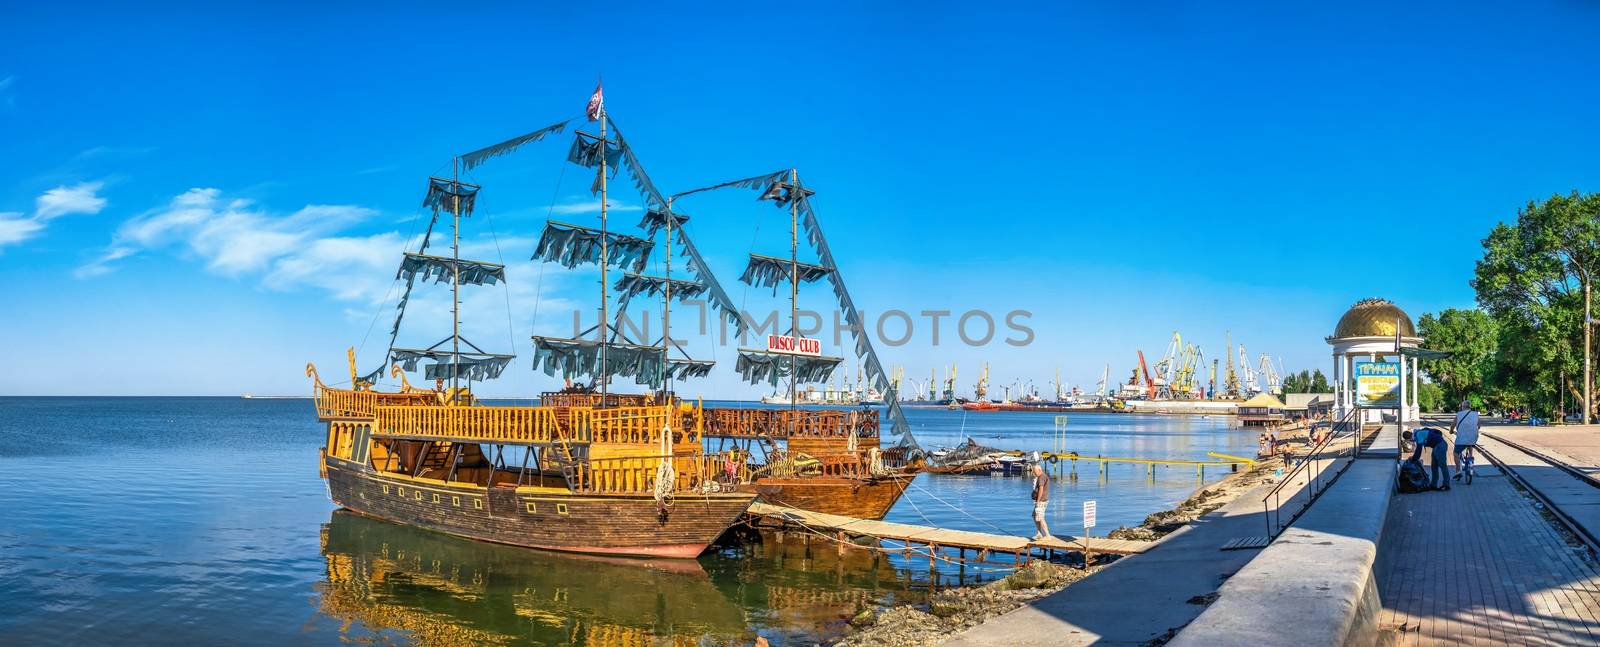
x,y
1480,565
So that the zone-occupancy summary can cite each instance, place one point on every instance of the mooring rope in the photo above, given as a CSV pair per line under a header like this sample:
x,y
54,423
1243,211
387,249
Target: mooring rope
x,y
949,505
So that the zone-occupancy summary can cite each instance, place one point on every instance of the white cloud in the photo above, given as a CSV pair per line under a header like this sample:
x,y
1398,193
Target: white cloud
x,y
231,236
64,200
60,201
592,206
354,268
14,228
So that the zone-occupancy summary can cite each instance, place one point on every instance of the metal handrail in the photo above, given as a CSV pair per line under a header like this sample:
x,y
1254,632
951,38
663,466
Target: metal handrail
x,y
1274,513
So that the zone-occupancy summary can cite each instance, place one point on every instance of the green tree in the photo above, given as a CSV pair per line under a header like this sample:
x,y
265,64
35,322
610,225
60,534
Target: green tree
x,y
1532,280
1306,382
1471,338
1295,382
1319,383
1430,397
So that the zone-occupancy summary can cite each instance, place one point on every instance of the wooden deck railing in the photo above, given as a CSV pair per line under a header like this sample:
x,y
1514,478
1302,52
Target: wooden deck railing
x,y
637,474
631,425
344,404
472,424
790,423
637,425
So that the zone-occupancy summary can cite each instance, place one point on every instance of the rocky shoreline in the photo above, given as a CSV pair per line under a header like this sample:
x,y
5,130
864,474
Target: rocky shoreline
x,y
951,611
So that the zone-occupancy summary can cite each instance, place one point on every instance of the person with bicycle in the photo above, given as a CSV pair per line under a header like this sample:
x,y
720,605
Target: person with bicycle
x,y
1465,429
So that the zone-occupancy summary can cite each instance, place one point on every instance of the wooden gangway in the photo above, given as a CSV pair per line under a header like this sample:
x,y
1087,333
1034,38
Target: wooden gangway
x,y
983,545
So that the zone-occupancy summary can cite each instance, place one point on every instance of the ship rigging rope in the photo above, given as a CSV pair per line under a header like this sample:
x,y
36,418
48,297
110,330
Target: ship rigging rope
x,y
538,287
666,477
411,238
511,331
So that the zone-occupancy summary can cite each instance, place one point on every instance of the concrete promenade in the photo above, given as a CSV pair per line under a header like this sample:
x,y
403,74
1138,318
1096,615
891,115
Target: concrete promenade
x,y
1480,564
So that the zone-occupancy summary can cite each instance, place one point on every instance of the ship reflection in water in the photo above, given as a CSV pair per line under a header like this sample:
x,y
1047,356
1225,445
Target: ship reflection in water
x,y
392,583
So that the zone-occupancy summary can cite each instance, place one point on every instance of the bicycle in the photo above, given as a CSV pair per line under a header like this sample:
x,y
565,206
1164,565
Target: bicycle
x,y
1466,465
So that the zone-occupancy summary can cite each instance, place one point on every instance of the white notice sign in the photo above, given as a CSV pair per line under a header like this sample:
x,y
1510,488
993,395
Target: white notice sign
x,y
1088,514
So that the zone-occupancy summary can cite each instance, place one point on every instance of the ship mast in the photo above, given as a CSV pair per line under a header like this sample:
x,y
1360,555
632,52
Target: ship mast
x,y
666,311
455,280
605,369
794,289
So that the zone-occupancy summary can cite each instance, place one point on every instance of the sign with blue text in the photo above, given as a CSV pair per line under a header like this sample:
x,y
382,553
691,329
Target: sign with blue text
x,y
1378,384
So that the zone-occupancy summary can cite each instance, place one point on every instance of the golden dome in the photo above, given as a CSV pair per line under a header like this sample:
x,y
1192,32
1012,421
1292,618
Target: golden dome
x,y
1373,318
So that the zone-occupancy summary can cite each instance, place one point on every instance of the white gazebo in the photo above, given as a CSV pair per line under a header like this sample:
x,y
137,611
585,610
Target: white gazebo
x,y
1374,330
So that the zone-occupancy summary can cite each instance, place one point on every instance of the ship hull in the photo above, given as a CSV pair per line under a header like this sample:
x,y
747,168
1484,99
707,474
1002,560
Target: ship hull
x,y
859,498
629,525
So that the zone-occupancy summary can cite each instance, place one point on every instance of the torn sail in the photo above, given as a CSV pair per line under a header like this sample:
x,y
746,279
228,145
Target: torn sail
x,y
759,366
481,155
632,285
574,245
440,268
570,358
586,149
442,195
468,365
768,272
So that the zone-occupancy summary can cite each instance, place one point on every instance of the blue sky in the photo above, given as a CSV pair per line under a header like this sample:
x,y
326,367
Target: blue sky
x,y
198,199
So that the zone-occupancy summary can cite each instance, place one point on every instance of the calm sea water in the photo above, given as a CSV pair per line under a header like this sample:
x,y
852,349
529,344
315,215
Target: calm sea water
x,y
202,520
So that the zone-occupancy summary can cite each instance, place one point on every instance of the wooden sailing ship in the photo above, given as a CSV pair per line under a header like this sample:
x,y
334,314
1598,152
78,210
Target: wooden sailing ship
x,y
585,471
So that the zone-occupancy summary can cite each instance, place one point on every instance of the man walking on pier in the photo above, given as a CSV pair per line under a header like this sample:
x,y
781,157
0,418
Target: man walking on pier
x,y
1041,500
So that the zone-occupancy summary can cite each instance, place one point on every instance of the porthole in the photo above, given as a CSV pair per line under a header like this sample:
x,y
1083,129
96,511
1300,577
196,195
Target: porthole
x,y
435,498
477,504
533,508
455,501
561,508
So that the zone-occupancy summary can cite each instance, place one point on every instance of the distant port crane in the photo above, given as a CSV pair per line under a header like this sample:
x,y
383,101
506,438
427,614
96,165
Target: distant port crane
x,y
1252,385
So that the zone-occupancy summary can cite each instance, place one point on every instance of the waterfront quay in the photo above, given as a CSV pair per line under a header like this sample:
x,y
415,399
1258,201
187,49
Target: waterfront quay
x,y
1330,551
1508,559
